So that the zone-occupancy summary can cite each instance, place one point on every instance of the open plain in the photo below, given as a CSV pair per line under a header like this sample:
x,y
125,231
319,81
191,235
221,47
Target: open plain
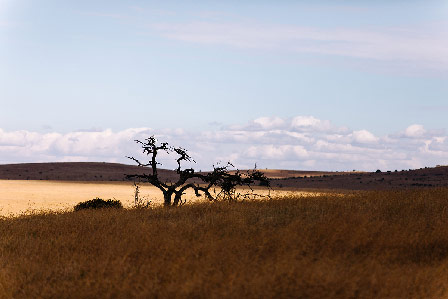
x,y
321,235
25,197
59,186
29,187
18,197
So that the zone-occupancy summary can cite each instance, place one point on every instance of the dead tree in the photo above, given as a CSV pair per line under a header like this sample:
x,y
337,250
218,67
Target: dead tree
x,y
221,178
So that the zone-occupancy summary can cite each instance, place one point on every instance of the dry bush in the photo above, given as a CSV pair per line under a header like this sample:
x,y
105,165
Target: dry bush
x,y
367,244
98,203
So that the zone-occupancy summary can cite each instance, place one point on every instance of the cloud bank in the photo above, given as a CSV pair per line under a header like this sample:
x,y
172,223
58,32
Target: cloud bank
x,y
302,142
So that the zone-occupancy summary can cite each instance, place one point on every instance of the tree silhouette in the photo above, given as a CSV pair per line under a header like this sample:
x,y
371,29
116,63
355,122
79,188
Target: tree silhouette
x,y
220,178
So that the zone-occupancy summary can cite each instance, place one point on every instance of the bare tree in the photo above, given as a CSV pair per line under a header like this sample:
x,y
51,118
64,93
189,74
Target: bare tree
x,y
220,178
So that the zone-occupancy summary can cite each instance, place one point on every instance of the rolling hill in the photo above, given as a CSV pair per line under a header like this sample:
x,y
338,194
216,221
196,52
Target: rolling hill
x,y
281,179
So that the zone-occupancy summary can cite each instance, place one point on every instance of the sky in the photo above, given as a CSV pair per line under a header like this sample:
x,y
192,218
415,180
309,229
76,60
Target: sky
x,y
314,85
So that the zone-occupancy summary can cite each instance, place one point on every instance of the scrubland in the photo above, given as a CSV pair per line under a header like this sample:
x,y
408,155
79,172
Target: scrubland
x,y
364,244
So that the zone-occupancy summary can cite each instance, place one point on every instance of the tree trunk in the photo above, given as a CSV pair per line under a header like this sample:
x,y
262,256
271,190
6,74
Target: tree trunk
x,y
177,198
167,198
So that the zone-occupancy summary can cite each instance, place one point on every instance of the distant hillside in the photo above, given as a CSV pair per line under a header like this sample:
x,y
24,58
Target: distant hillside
x,y
289,179
418,178
73,171
100,171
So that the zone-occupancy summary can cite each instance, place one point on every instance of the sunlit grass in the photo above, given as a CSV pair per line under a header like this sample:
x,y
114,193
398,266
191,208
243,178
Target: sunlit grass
x,y
18,197
366,244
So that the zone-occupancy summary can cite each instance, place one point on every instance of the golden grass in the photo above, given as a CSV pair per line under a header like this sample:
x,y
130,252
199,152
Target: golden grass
x,y
23,196
18,197
367,244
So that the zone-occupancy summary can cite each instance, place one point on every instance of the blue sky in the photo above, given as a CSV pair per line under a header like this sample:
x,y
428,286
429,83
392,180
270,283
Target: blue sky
x,y
212,67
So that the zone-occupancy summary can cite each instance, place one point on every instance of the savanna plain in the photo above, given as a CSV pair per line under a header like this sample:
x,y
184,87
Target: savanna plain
x,y
359,244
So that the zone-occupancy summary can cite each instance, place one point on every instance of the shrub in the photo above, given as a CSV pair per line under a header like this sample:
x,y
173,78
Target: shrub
x,y
98,203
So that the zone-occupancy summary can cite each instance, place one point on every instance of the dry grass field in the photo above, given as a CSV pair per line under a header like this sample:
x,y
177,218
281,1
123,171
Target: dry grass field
x,y
374,244
18,196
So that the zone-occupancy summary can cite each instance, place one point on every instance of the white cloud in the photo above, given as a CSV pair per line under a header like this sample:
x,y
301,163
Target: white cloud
x,y
308,122
414,131
303,142
269,122
364,136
